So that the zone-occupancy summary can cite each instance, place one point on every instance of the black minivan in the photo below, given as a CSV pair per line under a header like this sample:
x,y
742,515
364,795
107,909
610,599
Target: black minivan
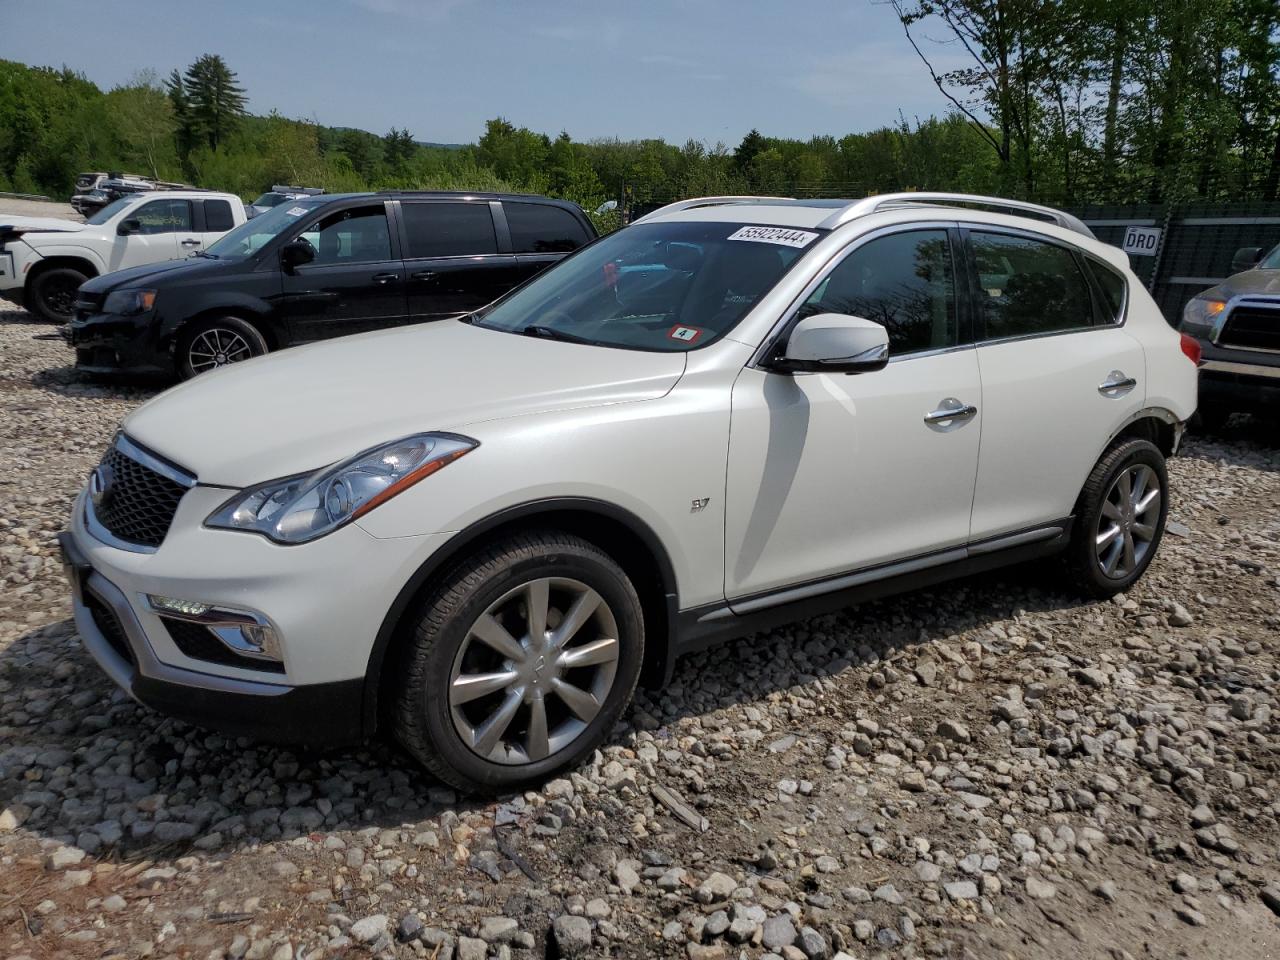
x,y
316,268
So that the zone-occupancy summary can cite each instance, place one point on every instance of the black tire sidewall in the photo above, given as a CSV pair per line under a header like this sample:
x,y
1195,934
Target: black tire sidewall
x,y
431,701
1084,558
182,361
38,286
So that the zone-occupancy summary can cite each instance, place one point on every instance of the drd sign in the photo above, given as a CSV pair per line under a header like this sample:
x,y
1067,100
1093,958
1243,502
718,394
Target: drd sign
x,y
1141,241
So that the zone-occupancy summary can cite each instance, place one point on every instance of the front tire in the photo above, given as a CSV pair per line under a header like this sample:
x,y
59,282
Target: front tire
x,y
53,294
1120,519
520,662
217,343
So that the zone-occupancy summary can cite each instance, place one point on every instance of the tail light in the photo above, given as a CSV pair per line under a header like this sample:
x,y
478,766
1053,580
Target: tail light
x,y
1191,347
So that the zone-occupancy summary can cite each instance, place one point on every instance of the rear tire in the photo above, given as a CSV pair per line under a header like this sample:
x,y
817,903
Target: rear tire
x,y
211,344
490,699
1120,519
53,294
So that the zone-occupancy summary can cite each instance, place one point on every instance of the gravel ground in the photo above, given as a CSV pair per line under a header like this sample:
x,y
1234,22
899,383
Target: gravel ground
x,y
991,769
39,208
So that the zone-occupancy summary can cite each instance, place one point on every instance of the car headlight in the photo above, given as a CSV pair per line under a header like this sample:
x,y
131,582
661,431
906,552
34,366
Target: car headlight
x,y
126,302
304,507
1200,315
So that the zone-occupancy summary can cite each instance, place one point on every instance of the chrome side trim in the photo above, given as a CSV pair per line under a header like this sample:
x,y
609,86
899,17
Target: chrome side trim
x,y
848,580
1244,369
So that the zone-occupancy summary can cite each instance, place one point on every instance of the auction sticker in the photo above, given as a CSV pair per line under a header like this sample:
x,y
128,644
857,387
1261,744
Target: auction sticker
x,y
684,334
296,211
781,235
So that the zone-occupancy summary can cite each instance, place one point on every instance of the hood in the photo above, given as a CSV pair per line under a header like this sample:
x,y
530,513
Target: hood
x,y
181,270
307,407
1264,282
41,224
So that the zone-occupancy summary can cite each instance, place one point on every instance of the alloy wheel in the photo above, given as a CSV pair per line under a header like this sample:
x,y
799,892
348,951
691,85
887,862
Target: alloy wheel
x,y
217,347
1128,521
534,670
59,296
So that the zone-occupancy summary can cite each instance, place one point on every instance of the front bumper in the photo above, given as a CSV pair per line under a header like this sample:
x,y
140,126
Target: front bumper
x,y
106,343
1246,381
327,605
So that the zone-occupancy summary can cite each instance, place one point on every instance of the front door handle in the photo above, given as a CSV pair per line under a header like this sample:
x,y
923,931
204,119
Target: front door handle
x,y
949,411
423,275
385,277
191,243
1116,385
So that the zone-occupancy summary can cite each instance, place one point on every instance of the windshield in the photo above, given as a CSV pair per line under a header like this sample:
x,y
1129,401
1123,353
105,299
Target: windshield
x,y
1271,261
269,200
109,211
654,286
252,235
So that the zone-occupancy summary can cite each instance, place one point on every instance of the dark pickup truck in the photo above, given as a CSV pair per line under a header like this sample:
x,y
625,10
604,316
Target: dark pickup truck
x,y
1238,326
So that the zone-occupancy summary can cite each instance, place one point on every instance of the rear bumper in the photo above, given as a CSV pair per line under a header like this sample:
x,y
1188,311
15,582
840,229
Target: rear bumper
x,y
320,715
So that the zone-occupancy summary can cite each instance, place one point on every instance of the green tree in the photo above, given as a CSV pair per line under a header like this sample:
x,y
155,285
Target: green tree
x,y
215,102
144,119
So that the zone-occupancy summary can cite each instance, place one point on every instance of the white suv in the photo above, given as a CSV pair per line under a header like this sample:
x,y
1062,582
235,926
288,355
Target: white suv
x,y
480,533
44,260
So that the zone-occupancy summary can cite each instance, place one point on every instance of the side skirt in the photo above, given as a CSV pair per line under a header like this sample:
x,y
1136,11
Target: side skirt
x,y
706,626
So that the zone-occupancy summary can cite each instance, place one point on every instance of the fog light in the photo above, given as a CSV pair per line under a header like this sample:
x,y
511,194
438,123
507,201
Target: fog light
x,y
255,640
187,608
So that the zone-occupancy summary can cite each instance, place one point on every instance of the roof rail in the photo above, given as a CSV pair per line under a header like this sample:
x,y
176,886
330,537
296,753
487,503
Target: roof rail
x,y
869,205
703,202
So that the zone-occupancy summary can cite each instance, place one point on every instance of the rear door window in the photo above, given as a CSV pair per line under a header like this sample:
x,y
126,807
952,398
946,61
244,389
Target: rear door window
x,y
448,229
542,228
1028,287
164,216
217,216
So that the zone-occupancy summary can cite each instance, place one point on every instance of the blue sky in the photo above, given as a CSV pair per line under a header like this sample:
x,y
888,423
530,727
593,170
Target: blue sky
x,y
706,69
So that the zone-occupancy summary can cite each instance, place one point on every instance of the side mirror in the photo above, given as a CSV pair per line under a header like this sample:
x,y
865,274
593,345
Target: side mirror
x,y
835,343
128,226
296,252
1246,258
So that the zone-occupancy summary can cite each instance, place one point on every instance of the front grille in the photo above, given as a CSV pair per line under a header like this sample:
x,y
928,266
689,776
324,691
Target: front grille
x,y
138,504
1252,328
199,643
109,626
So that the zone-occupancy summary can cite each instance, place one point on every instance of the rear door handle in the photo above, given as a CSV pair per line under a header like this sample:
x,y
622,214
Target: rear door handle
x,y
386,277
423,275
1116,385
191,243
951,410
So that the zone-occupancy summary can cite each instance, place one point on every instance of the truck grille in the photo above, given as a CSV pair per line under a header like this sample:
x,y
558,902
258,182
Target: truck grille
x,y
132,501
1252,328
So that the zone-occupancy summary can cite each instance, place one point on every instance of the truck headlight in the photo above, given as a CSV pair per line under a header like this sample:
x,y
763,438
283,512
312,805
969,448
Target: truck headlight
x,y
307,506
1200,315
127,302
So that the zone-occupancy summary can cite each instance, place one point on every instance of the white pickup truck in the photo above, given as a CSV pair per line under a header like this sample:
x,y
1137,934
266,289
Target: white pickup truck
x,y
43,261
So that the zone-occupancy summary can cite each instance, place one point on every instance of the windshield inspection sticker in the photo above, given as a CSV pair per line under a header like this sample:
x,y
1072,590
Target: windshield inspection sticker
x,y
296,211
684,334
782,235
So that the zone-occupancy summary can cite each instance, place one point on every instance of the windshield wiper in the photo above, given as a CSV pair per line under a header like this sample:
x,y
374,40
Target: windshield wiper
x,y
205,253
550,333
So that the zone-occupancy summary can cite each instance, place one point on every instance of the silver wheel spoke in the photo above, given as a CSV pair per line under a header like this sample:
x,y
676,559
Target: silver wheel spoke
x,y
1125,486
1110,511
489,733
538,744
493,634
583,607
1130,561
473,686
1144,531
537,599
1112,557
583,704
604,650
1150,501
1108,536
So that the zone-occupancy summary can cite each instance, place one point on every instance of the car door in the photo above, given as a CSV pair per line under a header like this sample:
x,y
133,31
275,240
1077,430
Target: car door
x,y
156,238
354,284
829,473
451,258
1060,376
541,234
